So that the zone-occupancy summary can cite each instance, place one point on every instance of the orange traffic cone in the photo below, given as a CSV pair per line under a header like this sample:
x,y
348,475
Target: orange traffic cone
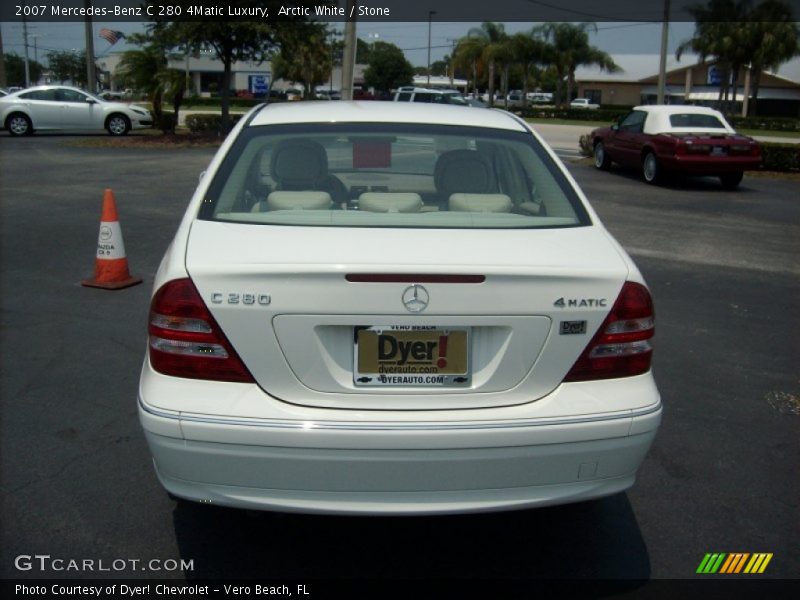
x,y
110,265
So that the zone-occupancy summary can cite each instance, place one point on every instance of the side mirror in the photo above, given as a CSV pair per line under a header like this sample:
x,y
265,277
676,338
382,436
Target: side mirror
x,y
91,101
615,127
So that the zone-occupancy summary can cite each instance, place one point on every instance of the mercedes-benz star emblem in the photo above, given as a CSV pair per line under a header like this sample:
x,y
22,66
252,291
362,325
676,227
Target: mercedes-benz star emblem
x,y
415,298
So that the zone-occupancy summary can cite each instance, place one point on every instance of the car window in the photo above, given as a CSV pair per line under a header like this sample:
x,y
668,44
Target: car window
x,y
423,97
456,99
391,175
633,122
39,95
404,97
696,120
70,96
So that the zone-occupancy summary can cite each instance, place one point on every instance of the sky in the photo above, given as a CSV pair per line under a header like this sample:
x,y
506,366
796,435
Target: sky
x,y
627,38
412,38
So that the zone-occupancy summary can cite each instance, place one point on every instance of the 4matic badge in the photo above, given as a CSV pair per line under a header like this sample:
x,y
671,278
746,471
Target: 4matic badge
x,y
580,302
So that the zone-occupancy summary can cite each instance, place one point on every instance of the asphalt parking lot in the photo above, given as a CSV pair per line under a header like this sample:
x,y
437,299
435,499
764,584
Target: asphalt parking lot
x,y
77,481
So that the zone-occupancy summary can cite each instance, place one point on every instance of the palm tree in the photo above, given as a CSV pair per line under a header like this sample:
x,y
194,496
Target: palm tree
x,y
491,37
147,70
140,70
468,54
501,54
571,49
528,50
173,87
722,32
774,34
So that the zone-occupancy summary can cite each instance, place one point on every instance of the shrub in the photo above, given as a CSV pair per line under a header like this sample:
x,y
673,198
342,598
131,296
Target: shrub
x,y
167,122
573,114
204,123
780,157
765,123
234,102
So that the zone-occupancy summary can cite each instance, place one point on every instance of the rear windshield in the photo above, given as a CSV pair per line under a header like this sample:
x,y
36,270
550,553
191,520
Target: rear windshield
x,y
695,120
384,175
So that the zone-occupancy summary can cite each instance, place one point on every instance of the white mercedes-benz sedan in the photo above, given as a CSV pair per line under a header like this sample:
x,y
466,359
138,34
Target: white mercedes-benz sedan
x,y
390,308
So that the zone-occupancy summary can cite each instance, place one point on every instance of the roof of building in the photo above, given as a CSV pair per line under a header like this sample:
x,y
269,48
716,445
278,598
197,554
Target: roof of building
x,y
636,67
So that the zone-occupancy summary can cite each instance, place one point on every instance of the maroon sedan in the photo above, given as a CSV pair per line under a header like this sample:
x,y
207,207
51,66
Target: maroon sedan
x,y
692,140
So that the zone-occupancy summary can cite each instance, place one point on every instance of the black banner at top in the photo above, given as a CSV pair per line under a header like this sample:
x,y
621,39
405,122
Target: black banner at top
x,y
360,10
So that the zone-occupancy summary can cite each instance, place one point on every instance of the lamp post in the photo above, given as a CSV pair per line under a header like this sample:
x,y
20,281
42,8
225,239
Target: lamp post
x,y
91,75
349,54
25,38
662,64
430,18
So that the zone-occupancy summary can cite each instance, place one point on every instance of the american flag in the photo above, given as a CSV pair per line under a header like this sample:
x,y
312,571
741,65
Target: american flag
x,y
111,36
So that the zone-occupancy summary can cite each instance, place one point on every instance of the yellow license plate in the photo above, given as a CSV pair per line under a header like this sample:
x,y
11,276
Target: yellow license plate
x,y
409,356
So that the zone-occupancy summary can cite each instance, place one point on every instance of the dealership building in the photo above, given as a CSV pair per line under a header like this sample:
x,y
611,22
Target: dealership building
x,y
690,81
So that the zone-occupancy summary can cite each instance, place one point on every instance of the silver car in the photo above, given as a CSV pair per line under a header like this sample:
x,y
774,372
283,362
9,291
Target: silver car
x,y
62,108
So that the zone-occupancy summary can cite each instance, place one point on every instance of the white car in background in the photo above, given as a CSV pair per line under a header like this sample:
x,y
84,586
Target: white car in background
x,y
352,320
584,103
429,96
62,108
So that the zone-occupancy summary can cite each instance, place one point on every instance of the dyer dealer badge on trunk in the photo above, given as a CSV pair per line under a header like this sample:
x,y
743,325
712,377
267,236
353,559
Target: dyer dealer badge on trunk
x,y
411,356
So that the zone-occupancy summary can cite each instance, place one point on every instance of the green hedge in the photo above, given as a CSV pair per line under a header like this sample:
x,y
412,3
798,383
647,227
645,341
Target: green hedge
x,y
216,101
780,157
765,123
573,114
204,123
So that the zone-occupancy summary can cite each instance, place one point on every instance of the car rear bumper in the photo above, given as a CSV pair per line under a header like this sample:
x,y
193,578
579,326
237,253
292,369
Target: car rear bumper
x,y
396,467
703,165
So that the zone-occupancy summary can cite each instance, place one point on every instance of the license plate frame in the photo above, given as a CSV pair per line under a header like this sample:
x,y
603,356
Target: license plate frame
x,y
408,356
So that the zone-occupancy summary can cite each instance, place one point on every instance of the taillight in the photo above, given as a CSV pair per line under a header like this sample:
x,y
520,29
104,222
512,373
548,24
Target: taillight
x,y
186,341
621,346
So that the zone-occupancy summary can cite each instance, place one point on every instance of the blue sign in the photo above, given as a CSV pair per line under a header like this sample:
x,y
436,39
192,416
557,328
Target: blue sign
x,y
714,75
259,84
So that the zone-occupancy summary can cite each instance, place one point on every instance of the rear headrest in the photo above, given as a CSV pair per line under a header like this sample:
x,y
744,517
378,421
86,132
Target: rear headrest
x,y
298,164
400,202
465,171
306,200
480,203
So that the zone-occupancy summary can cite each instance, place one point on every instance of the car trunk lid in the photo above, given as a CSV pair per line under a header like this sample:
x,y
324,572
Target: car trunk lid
x,y
514,307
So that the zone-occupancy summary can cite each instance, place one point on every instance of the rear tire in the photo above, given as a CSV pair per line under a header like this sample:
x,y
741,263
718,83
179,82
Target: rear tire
x,y
651,169
118,124
19,124
601,159
730,181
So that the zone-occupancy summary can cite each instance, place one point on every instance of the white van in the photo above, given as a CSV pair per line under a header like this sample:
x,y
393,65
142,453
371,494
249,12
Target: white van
x,y
417,94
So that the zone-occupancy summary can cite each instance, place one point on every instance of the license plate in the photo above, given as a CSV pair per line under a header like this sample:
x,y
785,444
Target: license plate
x,y
719,150
411,356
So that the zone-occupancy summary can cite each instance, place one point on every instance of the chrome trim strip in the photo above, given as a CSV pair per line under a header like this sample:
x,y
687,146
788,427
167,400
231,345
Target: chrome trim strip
x,y
332,426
